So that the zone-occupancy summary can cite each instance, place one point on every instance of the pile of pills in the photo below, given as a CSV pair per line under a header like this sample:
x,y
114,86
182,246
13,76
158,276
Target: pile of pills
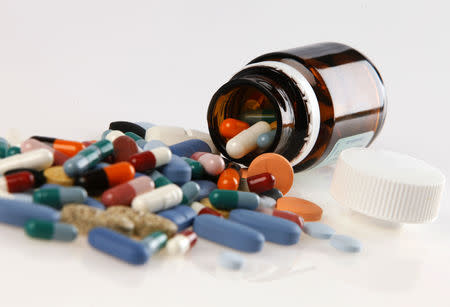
x,y
142,188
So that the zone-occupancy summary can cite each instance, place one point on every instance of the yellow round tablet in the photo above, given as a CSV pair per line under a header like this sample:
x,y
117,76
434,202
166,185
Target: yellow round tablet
x,y
57,175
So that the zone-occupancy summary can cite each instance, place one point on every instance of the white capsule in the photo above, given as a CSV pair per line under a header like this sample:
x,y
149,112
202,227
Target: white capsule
x,y
159,199
163,155
38,159
167,134
113,135
246,141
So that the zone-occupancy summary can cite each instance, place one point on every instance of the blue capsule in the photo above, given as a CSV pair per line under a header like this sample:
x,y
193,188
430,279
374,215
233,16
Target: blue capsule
x,y
266,139
88,158
177,170
191,190
206,187
273,228
118,245
16,212
189,147
228,233
181,215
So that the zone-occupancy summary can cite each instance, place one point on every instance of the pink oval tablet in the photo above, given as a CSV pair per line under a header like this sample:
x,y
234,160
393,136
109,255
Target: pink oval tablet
x,y
213,164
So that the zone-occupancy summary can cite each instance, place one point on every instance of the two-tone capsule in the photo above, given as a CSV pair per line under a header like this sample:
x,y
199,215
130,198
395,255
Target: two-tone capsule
x,y
191,190
213,164
69,148
17,182
181,243
88,158
98,180
31,144
124,193
230,178
50,230
229,200
159,199
284,215
4,146
159,179
200,209
39,160
148,160
56,197
196,167
18,212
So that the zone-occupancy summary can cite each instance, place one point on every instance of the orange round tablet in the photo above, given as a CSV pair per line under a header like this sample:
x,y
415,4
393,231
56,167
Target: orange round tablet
x,y
276,165
309,211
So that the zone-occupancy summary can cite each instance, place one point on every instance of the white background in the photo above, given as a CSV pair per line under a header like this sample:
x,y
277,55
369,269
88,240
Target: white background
x,y
68,68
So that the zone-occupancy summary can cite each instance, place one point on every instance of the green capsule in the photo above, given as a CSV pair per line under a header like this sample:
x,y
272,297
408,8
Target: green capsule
x,y
198,171
134,136
229,199
14,150
159,179
4,146
51,230
155,241
57,197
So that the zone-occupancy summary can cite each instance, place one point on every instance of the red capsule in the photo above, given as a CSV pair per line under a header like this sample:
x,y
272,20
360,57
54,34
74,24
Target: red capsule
x,y
261,183
17,182
202,209
148,160
124,193
124,148
192,236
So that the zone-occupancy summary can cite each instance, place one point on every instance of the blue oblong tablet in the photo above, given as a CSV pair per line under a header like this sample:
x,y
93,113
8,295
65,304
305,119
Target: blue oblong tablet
x,y
118,245
177,170
318,230
273,228
189,147
17,212
206,187
181,215
228,233
345,243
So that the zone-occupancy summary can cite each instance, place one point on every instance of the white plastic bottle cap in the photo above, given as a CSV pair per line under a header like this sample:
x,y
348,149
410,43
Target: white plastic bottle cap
x,y
387,185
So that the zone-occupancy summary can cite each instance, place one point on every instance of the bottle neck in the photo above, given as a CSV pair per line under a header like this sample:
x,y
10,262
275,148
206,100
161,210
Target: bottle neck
x,y
293,102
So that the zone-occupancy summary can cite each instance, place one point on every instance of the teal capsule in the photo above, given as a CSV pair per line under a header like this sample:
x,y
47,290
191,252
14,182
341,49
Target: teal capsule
x,y
252,117
265,140
229,199
198,172
88,158
159,179
51,230
58,196
4,146
14,150
190,192
134,136
155,241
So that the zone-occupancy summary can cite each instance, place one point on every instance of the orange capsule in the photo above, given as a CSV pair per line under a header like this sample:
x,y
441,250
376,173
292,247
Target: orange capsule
x,y
230,127
229,179
69,148
98,180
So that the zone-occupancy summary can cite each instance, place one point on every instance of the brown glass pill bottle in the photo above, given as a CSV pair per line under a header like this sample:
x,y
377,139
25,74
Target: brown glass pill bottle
x,y
324,98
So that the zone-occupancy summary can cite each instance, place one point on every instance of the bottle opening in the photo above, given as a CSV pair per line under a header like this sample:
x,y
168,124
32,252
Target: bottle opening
x,y
238,105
